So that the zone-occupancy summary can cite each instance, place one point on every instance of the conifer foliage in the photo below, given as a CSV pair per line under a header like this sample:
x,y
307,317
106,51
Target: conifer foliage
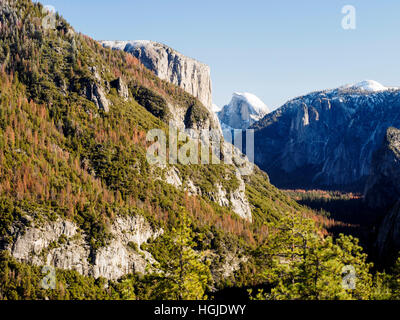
x,y
185,275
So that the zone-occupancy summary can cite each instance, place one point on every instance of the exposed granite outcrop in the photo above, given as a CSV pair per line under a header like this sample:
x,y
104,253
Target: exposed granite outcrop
x,y
63,245
95,91
236,200
96,94
121,87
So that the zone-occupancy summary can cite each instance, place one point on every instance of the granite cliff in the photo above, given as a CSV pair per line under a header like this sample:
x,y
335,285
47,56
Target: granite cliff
x,y
382,193
170,65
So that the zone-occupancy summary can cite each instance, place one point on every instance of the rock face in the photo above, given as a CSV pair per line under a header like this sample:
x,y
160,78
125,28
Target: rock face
x,y
96,94
388,239
383,185
236,200
239,202
62,245
326,139
243,110
121,88
170,65
382,192
95,91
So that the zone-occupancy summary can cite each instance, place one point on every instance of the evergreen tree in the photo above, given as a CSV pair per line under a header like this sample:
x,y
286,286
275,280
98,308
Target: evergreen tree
x,y
184,275
303,265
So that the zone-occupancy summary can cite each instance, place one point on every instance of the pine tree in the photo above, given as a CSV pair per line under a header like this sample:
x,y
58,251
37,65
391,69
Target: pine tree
x,y
185,275
303,265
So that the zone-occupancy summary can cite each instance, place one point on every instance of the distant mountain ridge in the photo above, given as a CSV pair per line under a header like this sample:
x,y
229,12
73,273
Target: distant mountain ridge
x,y
326,139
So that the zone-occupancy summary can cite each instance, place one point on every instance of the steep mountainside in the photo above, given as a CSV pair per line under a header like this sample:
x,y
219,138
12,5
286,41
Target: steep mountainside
x,y
383,188
326,139
382,192
243,110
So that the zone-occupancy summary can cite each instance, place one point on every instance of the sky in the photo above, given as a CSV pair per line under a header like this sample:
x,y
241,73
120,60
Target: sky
x,y
276,50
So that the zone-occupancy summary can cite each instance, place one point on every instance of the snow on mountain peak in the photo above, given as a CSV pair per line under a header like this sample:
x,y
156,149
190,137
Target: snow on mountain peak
x,y
252,100
121,44
367,85
243,110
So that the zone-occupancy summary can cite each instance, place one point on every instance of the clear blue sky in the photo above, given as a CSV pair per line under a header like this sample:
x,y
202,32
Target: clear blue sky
x,y
274,49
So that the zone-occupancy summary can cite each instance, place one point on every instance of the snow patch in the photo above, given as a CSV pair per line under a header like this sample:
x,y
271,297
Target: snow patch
x,y
216,108
367,85
120,45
